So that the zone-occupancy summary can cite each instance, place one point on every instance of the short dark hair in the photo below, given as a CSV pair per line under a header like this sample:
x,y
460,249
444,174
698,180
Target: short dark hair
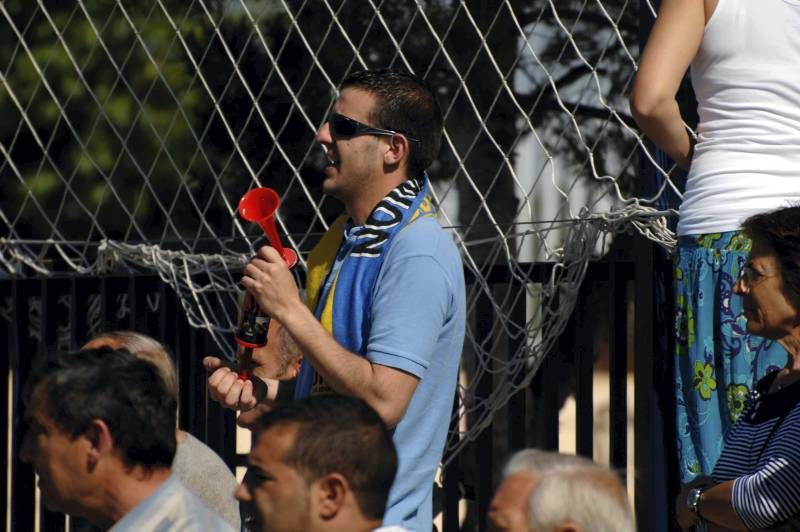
x,y
124,391
339,434
780,230
406,104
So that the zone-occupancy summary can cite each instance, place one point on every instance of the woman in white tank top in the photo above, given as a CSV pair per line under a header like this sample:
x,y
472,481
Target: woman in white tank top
x,y
745,70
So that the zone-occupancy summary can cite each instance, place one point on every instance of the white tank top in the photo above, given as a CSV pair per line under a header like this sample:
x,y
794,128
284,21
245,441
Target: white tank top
x,y
746,76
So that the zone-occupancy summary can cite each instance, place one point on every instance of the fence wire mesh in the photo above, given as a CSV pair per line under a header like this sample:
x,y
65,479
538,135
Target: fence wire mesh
x,y
131,129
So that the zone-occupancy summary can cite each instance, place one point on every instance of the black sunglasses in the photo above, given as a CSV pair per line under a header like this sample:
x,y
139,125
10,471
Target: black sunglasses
x,y
344,127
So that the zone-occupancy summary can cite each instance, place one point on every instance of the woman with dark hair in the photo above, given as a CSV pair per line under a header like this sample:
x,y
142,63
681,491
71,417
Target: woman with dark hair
x,y
756,482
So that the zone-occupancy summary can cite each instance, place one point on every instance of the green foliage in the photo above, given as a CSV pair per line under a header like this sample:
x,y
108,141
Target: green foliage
x,y
95,106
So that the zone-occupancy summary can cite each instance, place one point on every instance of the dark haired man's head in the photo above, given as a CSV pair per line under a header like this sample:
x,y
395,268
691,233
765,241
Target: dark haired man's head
x,y
385,128
95,414
403,103
318,463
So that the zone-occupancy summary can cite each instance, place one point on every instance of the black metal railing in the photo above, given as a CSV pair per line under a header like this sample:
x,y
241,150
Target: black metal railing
x,y
531,417
63,312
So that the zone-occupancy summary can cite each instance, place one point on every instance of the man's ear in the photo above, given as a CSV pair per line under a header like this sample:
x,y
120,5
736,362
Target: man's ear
x,y
294,367
398,149
330,492
100,440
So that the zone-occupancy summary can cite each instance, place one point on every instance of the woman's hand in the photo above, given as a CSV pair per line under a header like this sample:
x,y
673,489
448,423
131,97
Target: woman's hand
x,y
687,518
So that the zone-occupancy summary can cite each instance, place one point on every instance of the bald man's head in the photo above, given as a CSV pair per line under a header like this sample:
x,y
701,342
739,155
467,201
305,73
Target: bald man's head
x,y
144,347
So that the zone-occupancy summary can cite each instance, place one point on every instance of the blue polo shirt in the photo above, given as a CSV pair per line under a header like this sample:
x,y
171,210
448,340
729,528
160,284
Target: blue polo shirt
x,y
417,325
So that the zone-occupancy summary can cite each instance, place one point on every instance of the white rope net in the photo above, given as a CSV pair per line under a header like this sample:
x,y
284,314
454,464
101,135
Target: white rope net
x,y
131,129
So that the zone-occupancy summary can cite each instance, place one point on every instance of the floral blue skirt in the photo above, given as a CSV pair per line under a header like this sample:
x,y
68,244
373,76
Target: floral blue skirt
x,y
717,362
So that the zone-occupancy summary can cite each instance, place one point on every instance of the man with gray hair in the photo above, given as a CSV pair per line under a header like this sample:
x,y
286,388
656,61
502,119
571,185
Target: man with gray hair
x,y
551,492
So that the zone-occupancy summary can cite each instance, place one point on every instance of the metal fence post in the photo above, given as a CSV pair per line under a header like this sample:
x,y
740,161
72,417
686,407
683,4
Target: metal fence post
x,y
644,349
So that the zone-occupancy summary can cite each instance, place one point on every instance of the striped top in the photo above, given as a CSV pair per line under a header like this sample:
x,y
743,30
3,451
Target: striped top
x,y
762,456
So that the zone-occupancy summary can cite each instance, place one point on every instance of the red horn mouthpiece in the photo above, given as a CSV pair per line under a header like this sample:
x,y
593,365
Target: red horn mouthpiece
x,y
259,206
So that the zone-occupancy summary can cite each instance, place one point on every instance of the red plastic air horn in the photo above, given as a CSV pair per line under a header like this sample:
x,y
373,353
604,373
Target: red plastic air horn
x,y
258,206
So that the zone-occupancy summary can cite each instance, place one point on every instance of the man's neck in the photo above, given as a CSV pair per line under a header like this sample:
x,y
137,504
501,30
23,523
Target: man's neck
x,y
348,518
360,207
352,524
125,491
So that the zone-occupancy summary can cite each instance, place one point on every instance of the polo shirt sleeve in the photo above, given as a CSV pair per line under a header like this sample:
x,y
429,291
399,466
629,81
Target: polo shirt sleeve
x,y
409,309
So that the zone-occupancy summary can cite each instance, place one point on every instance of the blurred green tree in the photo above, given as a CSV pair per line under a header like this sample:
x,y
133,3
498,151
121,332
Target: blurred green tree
x,y
146,121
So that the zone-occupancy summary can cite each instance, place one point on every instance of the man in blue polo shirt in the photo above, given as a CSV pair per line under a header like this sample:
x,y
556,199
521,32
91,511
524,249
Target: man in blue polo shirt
x,y
384,315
